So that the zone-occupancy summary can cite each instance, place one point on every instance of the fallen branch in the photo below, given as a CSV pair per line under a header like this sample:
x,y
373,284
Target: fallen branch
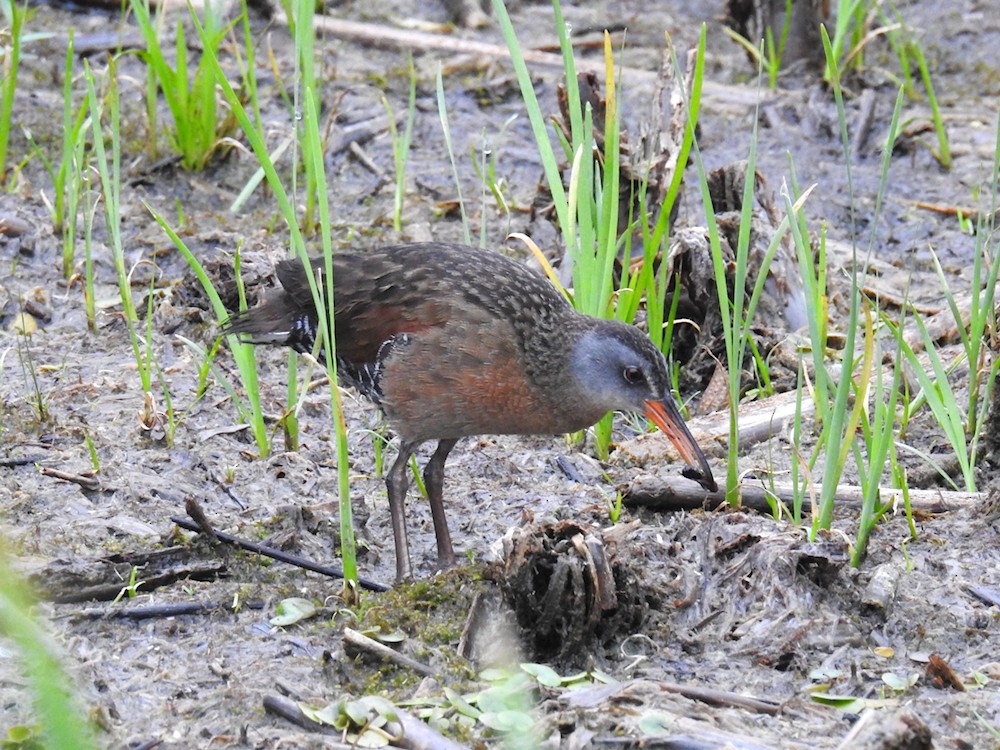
x,y
382,36
277,554
758,421
154,611
371,646
677,493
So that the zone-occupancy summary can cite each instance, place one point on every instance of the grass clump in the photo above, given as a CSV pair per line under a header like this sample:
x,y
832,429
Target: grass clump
x,y
401,146
863,410
588,208
836,417
109,171
201,125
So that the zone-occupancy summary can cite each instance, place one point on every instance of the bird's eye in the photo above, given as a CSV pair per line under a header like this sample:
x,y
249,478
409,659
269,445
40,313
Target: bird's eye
x,y
633,375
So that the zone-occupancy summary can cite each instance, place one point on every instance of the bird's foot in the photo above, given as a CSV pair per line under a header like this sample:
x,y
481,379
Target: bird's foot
x,y
445,561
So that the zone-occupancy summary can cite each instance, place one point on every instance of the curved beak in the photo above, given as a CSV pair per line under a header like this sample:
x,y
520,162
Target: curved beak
x,y
664,415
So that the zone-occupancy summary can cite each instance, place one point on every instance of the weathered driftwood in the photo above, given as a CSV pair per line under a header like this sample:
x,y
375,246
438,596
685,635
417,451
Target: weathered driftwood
x,y
73,579
193,571
714,95
678,493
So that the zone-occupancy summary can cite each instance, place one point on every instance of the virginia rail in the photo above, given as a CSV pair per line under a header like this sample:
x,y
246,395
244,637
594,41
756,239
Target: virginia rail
x,y
453,341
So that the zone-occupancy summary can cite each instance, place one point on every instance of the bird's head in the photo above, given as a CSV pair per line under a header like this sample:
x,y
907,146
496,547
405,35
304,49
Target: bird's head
x,y
616,367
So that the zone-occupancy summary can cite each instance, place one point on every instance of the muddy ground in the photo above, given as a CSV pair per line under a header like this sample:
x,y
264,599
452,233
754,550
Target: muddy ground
x,y
723,601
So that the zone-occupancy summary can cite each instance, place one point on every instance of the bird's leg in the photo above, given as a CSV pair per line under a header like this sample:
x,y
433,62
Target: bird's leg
x,y
434,481
396,484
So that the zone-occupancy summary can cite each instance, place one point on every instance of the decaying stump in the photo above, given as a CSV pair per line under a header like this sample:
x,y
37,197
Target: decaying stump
x,y
570,590
797,23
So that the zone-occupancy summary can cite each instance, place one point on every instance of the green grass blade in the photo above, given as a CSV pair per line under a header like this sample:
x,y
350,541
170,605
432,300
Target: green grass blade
x,y
61,722
8,82
443,115
834,435
549,162
243,354
314,150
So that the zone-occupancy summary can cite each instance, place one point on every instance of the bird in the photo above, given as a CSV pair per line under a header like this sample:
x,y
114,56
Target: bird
x,y
452,341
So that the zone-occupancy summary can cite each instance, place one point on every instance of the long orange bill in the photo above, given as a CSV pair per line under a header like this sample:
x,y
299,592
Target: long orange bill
x,y
665,416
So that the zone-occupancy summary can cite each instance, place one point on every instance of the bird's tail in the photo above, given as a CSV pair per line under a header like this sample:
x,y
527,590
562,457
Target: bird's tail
x,y
275,322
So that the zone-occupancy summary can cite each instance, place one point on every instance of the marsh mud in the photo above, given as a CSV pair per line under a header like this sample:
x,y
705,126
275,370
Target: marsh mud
x,y
734,622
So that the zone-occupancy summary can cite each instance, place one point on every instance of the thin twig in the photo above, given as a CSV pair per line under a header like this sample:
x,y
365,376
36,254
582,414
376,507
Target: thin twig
x,y
366,161
88,483
380,650
276,554
716,697
20,461
148,613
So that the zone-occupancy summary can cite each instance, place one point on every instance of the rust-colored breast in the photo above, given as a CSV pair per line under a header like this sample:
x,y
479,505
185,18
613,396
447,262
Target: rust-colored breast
x,y
465,378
